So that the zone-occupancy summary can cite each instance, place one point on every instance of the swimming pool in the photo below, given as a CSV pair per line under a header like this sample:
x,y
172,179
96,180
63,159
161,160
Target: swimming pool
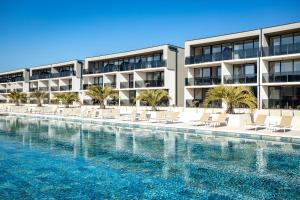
x,y
46,159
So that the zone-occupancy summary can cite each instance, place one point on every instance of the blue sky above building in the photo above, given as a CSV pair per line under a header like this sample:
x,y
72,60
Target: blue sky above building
x,y
34,32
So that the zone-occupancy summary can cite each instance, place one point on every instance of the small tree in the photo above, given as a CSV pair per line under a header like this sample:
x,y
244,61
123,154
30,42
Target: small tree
x,y
67,98
101,94
234,97
39,96
153,97
17,96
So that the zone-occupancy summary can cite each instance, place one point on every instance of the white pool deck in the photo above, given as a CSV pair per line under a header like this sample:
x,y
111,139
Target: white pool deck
x,y
292,135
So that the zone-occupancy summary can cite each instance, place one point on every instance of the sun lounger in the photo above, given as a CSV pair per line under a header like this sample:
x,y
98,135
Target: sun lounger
x,y
160,116
285,123
131,117
204,120
172,116
221,120
258,123
143,116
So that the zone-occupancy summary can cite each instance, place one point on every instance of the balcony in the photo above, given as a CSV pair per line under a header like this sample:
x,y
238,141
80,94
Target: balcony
x,y
12,79
54,88
198,103
203,81
40,76
238,54
112,84
281,77
2,90
92,71
65,87
281,50
85,86
280,103
43,88
240,79
63,74
127,102
128,84
33,89
112,102
149,83
126,67
19,89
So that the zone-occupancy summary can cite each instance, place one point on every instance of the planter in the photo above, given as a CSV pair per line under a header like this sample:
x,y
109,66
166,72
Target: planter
x,y
238,120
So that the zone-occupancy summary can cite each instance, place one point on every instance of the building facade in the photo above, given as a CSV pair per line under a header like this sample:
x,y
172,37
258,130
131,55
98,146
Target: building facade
x,y
159,67
265,59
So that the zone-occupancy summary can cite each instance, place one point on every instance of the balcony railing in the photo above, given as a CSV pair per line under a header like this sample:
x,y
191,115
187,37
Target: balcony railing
x,y
55,88
33,89
239,79
52,75
85,86
127,102
19,89
128,84
43,88
112,84
63,74
281,50
112,102
13,79
198,103
230,55
280,103
2,90
281,77
126,67
149,83
65,87
203,81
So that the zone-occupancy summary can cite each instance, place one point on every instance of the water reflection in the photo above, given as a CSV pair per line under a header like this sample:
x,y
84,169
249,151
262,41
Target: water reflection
x,y
202,161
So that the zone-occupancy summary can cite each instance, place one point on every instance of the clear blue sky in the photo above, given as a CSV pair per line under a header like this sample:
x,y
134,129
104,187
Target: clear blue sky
x,y
36,32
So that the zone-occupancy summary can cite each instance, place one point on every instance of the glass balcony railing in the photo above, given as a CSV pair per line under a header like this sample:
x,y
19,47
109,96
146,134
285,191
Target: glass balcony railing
x,y
65,87
198,103
127,102
52,75
229,55
128,84
33,89
12,79
281,50
126,67
149,83
203,81
112,84
281,77
85,86
54,88
240,79
290,103
43,88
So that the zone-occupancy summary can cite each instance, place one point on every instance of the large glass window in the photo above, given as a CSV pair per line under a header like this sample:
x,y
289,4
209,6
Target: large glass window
x,y
297,38
287,39
206,72
286,66
275,41
274,67
297,65
249,69
238,47
198,51
274,93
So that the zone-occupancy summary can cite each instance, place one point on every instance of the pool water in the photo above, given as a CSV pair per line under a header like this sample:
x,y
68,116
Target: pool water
x,y
53,159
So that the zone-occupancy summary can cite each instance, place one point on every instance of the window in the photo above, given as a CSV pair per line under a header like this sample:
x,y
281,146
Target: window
x,y
227,51
297,38
197,51
287,39
274,93
238,47
274,67
248,44
286,66
149,58
206,50
297,66
275,41
157,57
249,69
206,72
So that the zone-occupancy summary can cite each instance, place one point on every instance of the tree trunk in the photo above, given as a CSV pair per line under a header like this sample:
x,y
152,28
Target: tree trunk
x,y
17,103
154,108
102,106
39,103
67,105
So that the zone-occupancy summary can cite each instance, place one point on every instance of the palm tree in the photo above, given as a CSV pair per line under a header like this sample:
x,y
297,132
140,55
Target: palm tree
x,y
67,98
234,97
153,97
39,96
101,94
17,96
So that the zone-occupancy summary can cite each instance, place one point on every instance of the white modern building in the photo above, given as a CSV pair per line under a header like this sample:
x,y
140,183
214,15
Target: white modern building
x,y
264,59
159,67
13,80
58,77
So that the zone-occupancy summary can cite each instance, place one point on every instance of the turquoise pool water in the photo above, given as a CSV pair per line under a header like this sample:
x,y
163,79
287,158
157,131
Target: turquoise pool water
x,y
52,159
